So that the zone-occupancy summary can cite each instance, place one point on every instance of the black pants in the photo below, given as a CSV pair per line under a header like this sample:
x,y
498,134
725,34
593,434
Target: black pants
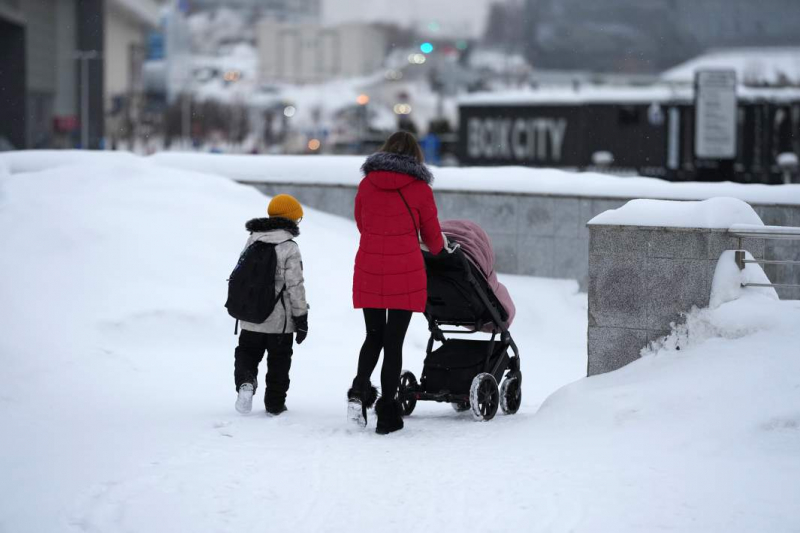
x,y
385,330
279,359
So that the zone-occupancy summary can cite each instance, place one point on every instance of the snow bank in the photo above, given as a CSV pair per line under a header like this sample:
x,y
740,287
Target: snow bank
x,y
23,161
329,170
733,315
344,170
714,213
728,280
707,421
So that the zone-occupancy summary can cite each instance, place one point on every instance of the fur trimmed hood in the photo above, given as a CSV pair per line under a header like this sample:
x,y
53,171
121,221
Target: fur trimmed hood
x,y
261,225
388,162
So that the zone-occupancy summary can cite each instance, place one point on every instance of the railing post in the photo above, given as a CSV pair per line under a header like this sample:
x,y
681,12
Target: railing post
x,y
740,258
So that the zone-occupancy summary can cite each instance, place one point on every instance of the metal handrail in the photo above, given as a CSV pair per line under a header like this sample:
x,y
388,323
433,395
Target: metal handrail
x,y
752,231
764,232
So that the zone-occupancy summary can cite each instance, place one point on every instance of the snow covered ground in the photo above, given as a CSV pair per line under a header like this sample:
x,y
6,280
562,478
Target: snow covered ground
x,y
116,393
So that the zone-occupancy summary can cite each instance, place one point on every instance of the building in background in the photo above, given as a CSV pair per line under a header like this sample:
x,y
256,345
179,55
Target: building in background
x,y
12,76
311,53
64,64
649,35
294,11
127,24
730,114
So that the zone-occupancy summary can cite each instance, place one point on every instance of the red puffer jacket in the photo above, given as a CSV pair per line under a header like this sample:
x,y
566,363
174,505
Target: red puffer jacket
x,y
389,270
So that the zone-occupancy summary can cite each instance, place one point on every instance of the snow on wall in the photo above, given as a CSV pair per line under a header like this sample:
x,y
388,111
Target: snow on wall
x,y
733,313
714,213
344,170
726,285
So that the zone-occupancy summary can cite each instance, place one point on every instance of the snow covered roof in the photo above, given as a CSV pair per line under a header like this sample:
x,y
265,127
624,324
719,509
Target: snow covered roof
x,y
753,66
613,94
583,94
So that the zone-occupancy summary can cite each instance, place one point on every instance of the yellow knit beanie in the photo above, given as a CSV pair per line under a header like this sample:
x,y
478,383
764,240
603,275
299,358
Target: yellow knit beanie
x,y
285,206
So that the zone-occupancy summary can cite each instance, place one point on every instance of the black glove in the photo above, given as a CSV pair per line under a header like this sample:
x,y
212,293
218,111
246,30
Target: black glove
x,y
301,327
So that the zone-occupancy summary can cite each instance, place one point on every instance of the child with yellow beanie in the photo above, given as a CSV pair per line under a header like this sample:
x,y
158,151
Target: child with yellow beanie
x,y
268,236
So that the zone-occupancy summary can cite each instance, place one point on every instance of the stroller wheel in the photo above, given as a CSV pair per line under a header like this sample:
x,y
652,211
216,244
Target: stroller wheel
x,y
510,395
460,407
408,384
484,397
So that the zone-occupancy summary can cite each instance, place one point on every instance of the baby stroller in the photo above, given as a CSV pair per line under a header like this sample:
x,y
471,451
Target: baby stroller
x,y
464,372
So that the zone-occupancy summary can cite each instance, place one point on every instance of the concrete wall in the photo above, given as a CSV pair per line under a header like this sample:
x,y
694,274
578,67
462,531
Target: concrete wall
x,y
641,279
540,235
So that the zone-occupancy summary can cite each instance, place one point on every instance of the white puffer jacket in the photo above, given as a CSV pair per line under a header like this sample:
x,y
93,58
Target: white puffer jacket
x,y
288,274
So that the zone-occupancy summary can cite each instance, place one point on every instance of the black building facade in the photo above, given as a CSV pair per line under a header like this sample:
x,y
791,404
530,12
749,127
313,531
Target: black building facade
x,y
652,138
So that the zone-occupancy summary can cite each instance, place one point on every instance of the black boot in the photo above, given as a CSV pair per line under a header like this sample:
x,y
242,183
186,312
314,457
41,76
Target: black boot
x,y
390,415
359,400
275,410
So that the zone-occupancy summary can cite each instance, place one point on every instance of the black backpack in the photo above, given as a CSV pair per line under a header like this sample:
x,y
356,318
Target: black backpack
x,y
251,286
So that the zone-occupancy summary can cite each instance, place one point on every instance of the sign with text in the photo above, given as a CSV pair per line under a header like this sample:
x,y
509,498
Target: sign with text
x,y
517,136
715,114
537,139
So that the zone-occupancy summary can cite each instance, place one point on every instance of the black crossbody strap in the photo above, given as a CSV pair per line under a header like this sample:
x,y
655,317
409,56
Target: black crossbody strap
x,y
413,220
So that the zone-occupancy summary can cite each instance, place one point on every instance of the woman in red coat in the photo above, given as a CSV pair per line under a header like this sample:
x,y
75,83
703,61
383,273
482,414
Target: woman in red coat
x,y
394,210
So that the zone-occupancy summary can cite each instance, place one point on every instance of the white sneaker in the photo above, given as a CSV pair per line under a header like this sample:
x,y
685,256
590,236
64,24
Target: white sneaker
x,y
244,402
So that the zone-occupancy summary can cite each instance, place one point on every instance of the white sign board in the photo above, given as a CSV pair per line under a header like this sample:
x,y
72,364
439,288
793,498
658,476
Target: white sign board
x,y
715,114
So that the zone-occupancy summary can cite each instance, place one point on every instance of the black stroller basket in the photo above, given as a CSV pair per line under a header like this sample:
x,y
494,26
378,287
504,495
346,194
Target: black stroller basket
x,y
464,372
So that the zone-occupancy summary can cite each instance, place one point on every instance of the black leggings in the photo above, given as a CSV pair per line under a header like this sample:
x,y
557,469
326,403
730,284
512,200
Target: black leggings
x,y
387,333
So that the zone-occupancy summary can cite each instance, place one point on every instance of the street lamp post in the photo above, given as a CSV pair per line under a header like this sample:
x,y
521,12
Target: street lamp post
x,y
363,119
186,118
84,56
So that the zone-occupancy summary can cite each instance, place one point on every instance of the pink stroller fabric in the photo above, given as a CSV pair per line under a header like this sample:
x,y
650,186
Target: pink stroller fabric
x,y
478,247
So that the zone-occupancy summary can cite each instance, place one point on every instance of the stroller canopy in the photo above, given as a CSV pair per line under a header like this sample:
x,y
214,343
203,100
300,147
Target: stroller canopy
x,y
478,248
